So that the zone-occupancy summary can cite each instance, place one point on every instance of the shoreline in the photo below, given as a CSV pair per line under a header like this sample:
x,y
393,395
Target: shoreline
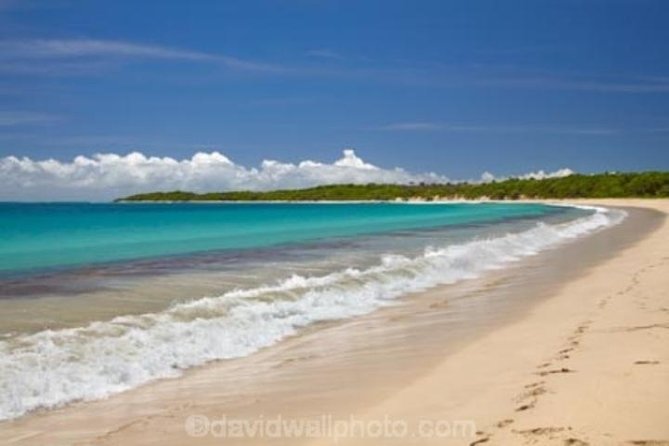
x,y
597,377
144,415
547,201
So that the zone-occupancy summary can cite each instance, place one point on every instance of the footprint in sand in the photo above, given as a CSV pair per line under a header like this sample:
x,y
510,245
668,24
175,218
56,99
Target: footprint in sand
x,y
643,327
504,423
525,407
480,441
532,393
540,431
553,372
649,442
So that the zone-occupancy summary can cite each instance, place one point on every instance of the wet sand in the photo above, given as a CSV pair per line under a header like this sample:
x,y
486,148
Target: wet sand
x,y
565,347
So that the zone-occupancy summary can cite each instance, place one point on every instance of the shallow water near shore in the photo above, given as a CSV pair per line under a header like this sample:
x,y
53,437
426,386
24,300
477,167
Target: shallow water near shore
x,y
133,322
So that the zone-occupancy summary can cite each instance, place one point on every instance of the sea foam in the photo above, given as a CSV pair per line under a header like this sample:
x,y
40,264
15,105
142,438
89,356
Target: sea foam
x,y
54,367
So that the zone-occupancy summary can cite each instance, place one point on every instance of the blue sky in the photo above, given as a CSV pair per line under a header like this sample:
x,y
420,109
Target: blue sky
x,y
452,87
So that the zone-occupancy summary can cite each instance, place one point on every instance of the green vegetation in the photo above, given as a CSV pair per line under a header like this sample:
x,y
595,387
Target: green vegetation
x,y
606,185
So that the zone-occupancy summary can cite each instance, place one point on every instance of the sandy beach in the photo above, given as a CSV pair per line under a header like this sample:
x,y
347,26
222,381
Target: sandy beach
x,y
587,366
567,347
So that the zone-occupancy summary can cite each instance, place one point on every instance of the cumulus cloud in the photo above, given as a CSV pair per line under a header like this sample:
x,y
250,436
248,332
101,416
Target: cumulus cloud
x,y
108,176
488,177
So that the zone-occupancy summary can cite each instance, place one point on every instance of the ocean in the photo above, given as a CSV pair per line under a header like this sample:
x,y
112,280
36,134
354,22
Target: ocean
x,y
96,299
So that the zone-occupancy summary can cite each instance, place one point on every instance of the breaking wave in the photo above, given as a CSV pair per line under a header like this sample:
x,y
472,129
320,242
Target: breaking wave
x,y
54,367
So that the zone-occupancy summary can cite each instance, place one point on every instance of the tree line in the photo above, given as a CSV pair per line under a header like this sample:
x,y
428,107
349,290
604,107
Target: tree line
x,y
605,185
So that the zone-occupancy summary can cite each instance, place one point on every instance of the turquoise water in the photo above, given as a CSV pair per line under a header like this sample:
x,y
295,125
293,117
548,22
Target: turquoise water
x,y
52,235
96,299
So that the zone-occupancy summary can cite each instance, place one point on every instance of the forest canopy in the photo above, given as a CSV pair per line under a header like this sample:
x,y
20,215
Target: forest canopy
x,y
605,185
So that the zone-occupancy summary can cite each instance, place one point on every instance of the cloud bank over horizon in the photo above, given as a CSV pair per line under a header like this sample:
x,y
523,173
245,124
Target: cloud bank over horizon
x,y
488,177
106,176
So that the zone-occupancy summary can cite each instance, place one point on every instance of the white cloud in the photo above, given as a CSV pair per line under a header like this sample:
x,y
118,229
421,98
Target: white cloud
x,y
351,160
23,55
487,177
540,175
42,48
108,176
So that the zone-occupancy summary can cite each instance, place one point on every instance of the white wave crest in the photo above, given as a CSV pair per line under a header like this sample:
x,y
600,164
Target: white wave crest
x,y
54,367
